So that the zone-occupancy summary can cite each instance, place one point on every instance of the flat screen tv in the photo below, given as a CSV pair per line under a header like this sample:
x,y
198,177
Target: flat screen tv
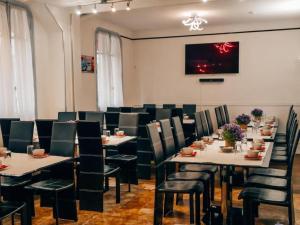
x,y
212,58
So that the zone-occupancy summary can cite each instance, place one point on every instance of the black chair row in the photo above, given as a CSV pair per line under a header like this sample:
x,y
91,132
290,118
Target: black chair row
x,y
222,115
273,186
169,182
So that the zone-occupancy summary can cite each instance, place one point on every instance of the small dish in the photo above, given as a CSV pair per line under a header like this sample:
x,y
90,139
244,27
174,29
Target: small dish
x,y
193,154
40,156
259,157
3,167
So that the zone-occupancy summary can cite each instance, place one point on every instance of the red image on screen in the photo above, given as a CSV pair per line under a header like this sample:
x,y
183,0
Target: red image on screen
x,y
212,58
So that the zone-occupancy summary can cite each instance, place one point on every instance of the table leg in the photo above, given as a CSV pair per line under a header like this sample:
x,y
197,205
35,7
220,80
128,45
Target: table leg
x,y
226,194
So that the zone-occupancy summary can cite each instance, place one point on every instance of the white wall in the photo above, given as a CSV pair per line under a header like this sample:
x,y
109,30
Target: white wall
x,y
268,78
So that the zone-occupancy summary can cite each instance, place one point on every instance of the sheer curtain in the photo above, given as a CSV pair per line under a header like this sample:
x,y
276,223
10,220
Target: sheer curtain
x,y
7,108
22,64
109,70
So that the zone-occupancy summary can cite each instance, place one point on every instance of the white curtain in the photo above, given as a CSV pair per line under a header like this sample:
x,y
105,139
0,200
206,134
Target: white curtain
x,y
7,99
109,70
22,64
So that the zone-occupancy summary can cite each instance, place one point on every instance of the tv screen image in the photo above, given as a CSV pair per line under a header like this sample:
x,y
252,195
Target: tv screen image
x,y
212,58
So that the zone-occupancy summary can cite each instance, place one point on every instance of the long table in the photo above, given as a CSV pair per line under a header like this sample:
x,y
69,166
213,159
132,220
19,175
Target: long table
x,y
213,155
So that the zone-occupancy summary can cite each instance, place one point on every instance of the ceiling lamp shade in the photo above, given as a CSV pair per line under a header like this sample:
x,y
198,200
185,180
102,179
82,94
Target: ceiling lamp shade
x,y
195,23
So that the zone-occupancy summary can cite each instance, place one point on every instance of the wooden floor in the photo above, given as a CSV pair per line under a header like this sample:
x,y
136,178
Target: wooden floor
x,y
136,208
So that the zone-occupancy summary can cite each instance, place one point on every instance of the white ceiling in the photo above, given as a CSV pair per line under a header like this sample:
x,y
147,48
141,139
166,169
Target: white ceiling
x,y
168,14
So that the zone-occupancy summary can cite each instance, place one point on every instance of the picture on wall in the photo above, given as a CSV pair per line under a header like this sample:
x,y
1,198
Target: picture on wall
x,y
212,58
87,64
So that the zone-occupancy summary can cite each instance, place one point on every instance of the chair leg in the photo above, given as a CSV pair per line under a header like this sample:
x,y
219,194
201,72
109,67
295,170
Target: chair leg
x,y
212,186
106,180
248,217
129,186
24,219
291,211
118,195
168,204
56,208
221,176
192,217
13,219
158,208
206,197
198,221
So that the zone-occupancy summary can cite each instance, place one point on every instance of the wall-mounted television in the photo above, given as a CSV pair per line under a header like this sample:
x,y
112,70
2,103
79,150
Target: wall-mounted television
x,y
212,58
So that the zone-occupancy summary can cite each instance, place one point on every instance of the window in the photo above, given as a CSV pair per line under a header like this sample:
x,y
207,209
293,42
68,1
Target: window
x,y
16,66
109,70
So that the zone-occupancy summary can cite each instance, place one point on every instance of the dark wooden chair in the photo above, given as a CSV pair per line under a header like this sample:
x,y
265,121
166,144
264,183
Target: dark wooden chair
x,y
44,130
66,116
5,124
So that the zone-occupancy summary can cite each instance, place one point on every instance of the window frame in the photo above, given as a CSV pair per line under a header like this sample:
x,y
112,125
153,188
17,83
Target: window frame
x,y
100,29
9,4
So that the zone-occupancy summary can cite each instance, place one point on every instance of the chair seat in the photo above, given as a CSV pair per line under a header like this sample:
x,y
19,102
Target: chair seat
x,y
198,168
264,195
279,158
280,148
15,181
267,182
186,176
279,153
51,185
269,172
108,170
280,141
9,208
181,187
281,135
121,157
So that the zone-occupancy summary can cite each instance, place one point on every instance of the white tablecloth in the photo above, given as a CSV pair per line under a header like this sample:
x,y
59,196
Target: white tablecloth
x,y
213,155
116,141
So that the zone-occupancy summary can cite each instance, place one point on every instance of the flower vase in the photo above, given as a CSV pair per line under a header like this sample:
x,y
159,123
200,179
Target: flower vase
x,y
229,143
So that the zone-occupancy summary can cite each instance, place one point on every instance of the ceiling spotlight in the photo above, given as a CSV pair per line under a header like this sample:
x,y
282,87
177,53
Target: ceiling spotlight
x,y
113,9
128,6
204,1
78,10
194,22
94,10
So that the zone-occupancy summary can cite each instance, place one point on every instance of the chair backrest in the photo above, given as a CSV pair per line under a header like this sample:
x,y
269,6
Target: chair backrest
x,y
126,109
291,121
209,122
44,130
177,112
113,109
152,113
222,115
291,160
112,121
91,170
147,106
5,124
66,116
21,133
218,116
138,109
199,126
63,139
158,152
81,115
204,123
178,133
96,117
289,117
227,117
292,135
167,138
161,114
169,106
144,119
189,109
128,122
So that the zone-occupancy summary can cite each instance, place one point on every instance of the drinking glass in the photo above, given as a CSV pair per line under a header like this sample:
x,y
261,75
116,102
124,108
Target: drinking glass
x,y
116,130
30,149
107,133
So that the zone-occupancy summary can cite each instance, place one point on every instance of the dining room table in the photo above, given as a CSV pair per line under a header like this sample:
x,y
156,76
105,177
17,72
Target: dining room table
x,y
213,155
18,165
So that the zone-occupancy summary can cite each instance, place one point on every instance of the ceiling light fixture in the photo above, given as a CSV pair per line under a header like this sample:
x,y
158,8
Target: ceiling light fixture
x,y
128,6
113,8
195,23
204,1
78,11
95,11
